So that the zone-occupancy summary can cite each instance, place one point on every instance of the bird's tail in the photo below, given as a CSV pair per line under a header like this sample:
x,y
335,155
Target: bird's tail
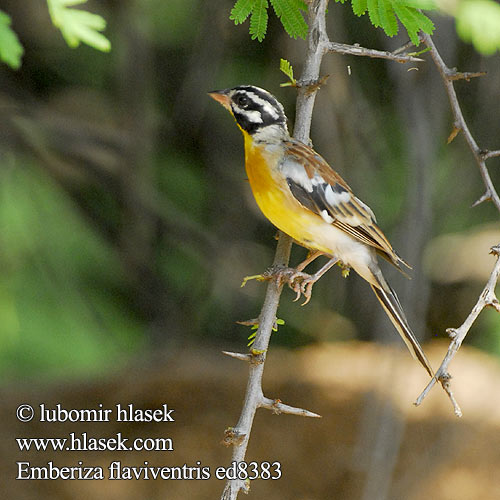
x,y
392,307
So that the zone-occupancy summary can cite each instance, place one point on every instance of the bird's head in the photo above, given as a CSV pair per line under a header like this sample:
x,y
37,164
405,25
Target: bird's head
x,y
256,111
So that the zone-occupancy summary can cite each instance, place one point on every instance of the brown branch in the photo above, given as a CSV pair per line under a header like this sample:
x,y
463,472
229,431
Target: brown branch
x,y
486,299
356,50
254,398
456,75
448,75
318,45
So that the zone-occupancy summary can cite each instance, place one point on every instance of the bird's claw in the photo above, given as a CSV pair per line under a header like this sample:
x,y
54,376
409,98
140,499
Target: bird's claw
x,y
301,283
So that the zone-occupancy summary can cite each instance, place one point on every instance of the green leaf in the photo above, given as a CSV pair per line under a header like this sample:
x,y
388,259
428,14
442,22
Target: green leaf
x,y
258,20
478,21
78,25
373,12
414,21
11,50
301,5
387,17
421,4
241,10
286,68
359,7
288,11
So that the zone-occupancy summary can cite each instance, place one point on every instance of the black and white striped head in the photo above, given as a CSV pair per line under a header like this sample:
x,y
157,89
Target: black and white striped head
x,y
255,110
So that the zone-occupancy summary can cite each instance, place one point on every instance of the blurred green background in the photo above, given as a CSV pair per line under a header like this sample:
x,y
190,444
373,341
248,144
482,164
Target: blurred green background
x,y
127,227
127,223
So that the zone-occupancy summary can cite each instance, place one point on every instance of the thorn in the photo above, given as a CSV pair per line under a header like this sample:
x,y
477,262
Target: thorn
x,y
452,333
404,47
237,355
494,304
277,407
485,197
495,250
453,134
467,75
249,322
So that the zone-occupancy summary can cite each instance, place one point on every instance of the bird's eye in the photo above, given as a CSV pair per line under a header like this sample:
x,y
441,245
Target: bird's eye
x,y
242,101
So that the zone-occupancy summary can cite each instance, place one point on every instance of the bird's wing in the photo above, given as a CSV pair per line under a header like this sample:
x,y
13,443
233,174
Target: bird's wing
x,y
320,189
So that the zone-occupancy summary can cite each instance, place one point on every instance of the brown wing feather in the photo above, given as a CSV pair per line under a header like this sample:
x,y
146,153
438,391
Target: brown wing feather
x,y
349,214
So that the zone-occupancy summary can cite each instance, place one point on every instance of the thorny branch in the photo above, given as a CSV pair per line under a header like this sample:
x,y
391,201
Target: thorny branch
x,y
318,45
254,397
487,297
356,50
449,76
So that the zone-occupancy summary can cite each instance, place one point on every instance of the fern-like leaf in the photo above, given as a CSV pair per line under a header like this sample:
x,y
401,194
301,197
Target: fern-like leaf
x,y
373,12
387,17
258,20
241,10
359,7
286,67
78,25
290,16
384,13
414,21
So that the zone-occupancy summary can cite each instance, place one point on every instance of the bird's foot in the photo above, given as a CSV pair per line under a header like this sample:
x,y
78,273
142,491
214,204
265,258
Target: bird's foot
x,y
301,283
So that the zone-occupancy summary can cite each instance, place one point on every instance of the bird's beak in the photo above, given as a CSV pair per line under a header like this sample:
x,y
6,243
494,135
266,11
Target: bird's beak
x,y
221,97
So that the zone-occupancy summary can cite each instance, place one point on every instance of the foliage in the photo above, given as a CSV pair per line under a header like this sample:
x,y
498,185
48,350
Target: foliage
x,y
384,14
58,312
478,21
288,11
251,337
286,67
11,50
78,25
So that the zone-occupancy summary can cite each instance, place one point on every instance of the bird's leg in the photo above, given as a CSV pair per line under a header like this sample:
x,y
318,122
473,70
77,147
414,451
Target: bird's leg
x,y
307,281
301,283
285,274
312,255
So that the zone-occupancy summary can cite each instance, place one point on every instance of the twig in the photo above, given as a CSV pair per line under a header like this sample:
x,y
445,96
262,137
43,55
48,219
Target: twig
x,y
254,398
456,75
486,299
448,77
356,50
277,407
490,154
238,355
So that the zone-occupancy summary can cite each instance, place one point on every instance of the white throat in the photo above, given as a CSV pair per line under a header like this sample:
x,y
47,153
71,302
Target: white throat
x,y
271,134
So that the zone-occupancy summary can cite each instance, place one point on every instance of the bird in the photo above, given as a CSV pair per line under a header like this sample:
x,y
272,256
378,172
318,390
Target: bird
x,y
303,196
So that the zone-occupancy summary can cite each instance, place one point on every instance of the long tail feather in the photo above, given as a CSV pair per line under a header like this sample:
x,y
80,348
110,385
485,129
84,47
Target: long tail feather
x,y
392,307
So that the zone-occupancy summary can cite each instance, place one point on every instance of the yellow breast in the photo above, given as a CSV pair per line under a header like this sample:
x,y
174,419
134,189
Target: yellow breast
x,y
274,198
